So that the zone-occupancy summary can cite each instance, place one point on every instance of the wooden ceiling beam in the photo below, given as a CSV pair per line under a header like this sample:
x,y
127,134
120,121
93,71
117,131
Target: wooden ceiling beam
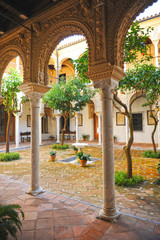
x,y
14,9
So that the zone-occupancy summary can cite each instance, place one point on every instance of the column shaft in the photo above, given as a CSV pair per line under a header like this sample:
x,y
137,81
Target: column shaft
x,y
109,211
100,130
35,112
77,130
17,130
159,131
58,129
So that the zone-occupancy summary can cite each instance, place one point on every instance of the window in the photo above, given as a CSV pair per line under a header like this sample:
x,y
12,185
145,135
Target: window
x,y
120,119
137,121
45,123
62,78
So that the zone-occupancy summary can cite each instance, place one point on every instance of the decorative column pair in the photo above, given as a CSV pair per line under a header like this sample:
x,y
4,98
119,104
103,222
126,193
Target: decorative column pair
x,y
109,211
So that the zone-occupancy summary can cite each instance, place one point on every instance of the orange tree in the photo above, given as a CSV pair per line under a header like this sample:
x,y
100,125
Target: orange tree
x,y
10,84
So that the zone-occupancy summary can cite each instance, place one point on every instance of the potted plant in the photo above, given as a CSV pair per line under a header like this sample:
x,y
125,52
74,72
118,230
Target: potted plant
x,y
83,158
115,138
75,149
85,137
52,155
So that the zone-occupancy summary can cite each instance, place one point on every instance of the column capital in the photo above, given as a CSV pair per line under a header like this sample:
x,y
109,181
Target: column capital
x,y
105,71
77,114
17,114
57,115
107,87
98,114
155,42
29,87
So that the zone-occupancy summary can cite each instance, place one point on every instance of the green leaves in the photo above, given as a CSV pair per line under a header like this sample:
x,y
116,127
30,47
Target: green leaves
x,y
69,97
10,85
10,221
81,65
136,42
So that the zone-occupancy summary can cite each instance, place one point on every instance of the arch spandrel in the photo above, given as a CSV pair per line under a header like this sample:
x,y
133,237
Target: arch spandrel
x,y
7,54
49,42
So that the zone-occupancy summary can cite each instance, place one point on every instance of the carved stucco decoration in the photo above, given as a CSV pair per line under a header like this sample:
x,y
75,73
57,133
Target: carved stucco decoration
x,y
44,46
19,46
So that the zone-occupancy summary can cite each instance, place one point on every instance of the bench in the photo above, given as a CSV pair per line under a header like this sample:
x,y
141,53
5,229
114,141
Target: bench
x,y
69,135
25,136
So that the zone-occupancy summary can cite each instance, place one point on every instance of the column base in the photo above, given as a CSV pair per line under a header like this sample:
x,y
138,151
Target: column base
x,y
36,192
57,141
110,215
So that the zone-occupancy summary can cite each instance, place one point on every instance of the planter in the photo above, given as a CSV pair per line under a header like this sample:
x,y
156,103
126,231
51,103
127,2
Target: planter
x,y
83,163
75,152
84,139
53,157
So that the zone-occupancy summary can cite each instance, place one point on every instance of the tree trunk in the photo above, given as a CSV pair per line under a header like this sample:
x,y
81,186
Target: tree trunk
x,y
7,132
154,130
127,148
64,129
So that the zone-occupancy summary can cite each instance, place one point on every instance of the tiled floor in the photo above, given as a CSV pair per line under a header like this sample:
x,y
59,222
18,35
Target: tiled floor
x,y
49,216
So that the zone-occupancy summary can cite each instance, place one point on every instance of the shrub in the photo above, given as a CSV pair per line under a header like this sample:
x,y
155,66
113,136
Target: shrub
x,y
10,221
5,157
60,147
53,153
121,180
83,156
151,154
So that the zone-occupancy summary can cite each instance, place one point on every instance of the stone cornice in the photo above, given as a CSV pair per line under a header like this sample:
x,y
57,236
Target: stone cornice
x,y
105,71
33,87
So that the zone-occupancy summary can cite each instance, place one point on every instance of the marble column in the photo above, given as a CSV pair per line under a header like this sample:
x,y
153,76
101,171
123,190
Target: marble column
x,y
35,112
99,114
17,129
58,116
155,43
40,128
109,212
77,128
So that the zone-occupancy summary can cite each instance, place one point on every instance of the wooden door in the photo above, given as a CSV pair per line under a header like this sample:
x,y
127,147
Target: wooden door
x,y
96,137
3,125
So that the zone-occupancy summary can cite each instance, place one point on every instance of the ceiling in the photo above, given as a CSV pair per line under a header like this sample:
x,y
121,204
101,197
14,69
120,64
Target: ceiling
x,y
15,12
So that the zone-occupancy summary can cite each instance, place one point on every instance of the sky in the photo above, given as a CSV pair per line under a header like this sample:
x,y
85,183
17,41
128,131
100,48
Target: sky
x,y
152,10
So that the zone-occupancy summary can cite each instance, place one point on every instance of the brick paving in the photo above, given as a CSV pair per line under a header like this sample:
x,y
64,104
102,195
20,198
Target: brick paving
x,y
85,184
50,216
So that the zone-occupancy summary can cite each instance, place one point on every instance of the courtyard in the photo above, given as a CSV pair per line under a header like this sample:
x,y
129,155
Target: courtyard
x,y
69,185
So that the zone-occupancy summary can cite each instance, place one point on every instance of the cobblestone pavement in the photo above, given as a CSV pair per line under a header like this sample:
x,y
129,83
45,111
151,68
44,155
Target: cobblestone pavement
x,y
85,184
50,216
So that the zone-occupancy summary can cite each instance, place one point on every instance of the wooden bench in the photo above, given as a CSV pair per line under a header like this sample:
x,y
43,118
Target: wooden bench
x,y
25,136
69,135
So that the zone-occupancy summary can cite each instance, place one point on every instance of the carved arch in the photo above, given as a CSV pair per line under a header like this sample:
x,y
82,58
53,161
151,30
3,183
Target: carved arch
x,y
128,13
7,54
51,39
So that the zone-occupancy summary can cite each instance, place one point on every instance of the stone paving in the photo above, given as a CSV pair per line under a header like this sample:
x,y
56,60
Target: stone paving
x,y
85,184
49,216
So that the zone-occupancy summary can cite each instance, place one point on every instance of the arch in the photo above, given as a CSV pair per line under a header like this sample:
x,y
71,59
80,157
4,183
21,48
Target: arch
x,y
7,54
129,12
46,46
68,64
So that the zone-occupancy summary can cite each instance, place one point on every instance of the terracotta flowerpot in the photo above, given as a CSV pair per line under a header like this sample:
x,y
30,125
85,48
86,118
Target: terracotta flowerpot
x,y
83,163
84,139
53,157
75,152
